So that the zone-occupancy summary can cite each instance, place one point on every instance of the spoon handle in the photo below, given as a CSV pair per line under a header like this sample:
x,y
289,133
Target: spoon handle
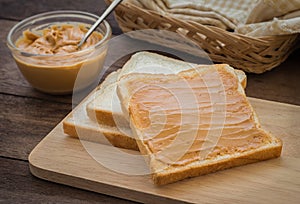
x,y
101,18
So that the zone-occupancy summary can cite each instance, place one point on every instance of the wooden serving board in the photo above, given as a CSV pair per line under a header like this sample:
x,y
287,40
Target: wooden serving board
x,y
65,160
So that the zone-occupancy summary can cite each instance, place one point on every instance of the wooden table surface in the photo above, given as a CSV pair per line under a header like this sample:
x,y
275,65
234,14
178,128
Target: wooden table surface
x,y
28,115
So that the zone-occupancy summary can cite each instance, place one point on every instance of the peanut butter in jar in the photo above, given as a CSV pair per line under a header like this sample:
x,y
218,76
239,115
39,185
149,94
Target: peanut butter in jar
x,y
57,60
45,49
60,39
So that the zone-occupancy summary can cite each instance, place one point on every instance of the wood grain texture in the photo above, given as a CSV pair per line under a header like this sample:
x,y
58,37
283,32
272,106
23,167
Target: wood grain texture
x,y
24,122
73,162
18,185
281,84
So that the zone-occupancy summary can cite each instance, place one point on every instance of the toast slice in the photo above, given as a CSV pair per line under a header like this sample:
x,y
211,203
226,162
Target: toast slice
x,y
194,123
106,107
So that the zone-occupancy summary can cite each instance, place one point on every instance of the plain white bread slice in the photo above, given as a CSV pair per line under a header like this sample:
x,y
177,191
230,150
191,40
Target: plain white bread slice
x,y
110,79
259,146
106,109
79,125
152,63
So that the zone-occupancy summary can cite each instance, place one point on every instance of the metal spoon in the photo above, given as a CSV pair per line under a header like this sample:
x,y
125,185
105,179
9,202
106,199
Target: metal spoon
x,y
101,18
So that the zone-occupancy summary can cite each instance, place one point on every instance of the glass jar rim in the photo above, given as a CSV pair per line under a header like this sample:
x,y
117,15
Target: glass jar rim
x,y
12,45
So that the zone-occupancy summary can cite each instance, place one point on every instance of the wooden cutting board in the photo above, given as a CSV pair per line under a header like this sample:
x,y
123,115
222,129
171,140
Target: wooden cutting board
x,y
65,160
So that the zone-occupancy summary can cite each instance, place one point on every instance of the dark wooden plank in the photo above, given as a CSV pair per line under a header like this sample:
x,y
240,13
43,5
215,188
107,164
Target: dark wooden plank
x,y
281,84
19,186
25,121
18,10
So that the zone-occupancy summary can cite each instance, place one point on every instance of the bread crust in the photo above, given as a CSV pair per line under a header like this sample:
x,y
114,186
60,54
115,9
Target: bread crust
x,y
193,170
102,117
115,138
172,174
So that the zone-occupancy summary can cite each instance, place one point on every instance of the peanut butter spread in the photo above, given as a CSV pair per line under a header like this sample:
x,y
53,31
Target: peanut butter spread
x,y
57,40
193,117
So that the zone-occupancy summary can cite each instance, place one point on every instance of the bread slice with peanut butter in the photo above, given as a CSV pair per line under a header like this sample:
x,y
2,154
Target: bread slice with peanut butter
x,y
193,123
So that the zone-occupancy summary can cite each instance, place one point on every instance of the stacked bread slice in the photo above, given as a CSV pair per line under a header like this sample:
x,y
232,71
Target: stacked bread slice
x,y
111,113
101,114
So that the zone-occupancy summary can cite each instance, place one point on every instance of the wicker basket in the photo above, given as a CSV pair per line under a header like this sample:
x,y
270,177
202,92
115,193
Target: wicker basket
x,y
255,55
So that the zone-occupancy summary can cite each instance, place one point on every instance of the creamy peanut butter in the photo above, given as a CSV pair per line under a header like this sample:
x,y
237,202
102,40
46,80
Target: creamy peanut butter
x,y
57,40
192,118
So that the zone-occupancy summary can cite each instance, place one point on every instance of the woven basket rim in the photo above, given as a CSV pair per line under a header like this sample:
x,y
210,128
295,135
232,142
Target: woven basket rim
x,y
261,39
251,54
